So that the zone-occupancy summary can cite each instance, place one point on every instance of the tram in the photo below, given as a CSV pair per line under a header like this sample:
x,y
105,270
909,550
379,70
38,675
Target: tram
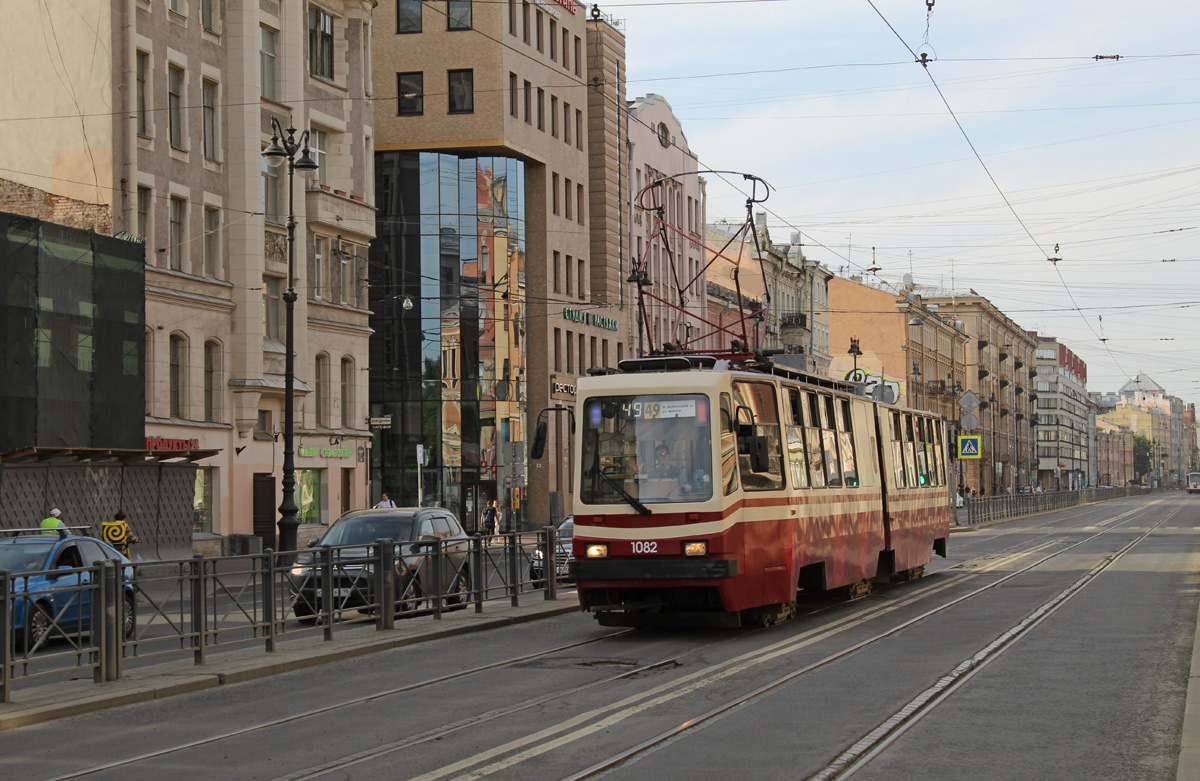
x,y
714,492
1193,482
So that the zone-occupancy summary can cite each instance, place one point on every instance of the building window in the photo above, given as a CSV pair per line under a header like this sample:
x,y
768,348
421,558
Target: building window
x,y
578,129
319,250
266,61
318,146
554,193
346,261
143,213
175,105
582,275
566,199
208,99
270,191
320,43
322,388
212,369
578,55
202,504
512,16
212,237
462,91
553,40
411,90
541,109
557,261
553,116
568,268
207,17
347,393
143,72
458,14
512,94
178,375
178,209
566,40
527,88
538,28
566,122
579,203
408,16
272,306
525,21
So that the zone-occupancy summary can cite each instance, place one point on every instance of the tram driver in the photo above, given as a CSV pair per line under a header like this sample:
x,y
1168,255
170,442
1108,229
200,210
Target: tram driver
x,y
665,470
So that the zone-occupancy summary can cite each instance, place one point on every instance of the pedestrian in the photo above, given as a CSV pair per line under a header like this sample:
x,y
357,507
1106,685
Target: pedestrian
x,y
489,519
116,533
52,524
384,501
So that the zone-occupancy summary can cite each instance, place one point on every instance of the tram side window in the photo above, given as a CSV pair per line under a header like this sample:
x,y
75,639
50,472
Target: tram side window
x,y
909,454
795,440
922,452
846,440
829,443
898,451
729,454
939,455
756,415
812,435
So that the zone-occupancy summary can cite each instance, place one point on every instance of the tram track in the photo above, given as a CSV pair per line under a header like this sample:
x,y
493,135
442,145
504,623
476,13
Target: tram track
x,y
509,755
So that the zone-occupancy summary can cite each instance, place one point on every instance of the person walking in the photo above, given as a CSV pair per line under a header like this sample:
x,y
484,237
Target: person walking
x,y
384,501
489,519
52,524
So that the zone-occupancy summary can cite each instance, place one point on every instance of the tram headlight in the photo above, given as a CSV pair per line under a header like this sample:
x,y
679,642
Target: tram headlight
x,y
697,548
597,551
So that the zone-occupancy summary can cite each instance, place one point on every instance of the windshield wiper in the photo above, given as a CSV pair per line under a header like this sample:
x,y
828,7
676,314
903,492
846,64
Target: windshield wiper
x,y
634,503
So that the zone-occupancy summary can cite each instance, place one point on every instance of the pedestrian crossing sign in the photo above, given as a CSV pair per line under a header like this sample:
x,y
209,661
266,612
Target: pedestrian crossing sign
x,y
969,445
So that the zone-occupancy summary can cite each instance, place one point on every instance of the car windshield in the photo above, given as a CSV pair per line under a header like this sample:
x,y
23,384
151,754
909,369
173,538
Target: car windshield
x,y
363,531
648,449
25,556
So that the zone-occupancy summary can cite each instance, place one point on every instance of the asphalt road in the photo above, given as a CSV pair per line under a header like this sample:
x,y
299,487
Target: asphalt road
x,y
1053,647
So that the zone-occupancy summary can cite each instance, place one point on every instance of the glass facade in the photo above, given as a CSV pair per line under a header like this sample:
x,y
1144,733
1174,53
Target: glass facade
x,y
447,282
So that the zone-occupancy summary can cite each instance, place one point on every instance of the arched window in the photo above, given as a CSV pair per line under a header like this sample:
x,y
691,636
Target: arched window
x,y
178,375
322,390
347,392
212,381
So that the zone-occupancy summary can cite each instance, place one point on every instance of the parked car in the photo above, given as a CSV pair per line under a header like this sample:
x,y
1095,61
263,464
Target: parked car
x,y
414,530
50,593
562,553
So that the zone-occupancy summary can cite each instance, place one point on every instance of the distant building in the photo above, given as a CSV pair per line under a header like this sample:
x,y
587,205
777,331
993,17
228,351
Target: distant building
x,y
1063,411
1114,454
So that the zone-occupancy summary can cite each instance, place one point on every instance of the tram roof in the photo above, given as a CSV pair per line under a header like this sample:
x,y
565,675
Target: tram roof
x,y
674,364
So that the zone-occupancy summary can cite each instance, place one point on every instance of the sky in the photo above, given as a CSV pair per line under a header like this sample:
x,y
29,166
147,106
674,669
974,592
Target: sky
x,y
1014,145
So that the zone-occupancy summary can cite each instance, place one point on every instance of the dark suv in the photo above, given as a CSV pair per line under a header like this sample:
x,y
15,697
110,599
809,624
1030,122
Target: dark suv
x,y
417,531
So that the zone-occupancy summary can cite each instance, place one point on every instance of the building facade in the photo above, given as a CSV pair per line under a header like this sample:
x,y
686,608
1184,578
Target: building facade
x,y
175,119
1064,415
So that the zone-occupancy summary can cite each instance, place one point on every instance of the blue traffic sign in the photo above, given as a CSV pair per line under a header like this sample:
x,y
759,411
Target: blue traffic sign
x,y
970,446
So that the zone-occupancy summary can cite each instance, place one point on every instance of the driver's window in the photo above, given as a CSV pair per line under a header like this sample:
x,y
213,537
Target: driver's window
x,y
425,528
68,557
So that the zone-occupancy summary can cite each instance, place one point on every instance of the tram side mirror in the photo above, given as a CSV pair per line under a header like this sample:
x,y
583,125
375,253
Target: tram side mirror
x,y
538,448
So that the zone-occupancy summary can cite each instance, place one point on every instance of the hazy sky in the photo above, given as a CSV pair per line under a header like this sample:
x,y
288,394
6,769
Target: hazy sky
x,y
1100,157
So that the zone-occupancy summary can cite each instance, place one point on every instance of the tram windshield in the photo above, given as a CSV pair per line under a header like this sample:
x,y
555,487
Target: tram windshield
x,y
646,449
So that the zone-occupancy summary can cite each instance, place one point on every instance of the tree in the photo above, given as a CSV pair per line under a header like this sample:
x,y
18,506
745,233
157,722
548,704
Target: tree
x,y
1143,461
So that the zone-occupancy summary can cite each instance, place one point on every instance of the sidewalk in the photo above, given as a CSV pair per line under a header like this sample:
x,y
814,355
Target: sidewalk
x,y
36,704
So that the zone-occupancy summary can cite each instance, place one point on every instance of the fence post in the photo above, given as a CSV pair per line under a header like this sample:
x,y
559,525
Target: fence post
x,y
514,579
6,643
199,610
96,620
385,584
268,558
114,619
327,589
479,580
436,561
550,557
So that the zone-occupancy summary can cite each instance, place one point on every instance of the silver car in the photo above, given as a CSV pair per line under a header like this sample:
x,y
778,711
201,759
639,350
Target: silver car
x,y
562,553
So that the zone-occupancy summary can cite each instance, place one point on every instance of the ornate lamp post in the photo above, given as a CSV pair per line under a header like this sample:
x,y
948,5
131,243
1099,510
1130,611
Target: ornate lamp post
x,y
284,146
855,351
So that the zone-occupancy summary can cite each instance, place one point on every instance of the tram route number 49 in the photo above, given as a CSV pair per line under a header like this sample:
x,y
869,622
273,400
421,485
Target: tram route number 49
x,y
645,547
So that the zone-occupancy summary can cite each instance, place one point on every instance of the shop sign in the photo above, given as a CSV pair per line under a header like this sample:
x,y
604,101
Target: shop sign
x,y
326,452
165,443
571,6
383,421
588,318
562,387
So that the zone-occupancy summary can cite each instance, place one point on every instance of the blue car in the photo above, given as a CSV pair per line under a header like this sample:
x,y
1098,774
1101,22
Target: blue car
x,y
51,593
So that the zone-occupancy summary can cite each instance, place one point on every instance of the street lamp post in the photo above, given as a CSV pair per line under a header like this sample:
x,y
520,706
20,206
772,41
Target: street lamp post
x,y
855,351
284,146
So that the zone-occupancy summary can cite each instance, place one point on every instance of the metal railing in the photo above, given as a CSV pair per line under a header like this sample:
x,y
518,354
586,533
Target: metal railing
x,y
987,509
106,617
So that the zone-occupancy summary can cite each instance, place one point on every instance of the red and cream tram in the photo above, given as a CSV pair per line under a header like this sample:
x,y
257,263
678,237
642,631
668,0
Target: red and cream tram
x,y
708,495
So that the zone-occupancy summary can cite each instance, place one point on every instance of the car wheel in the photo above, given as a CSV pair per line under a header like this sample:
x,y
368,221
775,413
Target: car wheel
x,y
37,627
460,592
409,599
129,618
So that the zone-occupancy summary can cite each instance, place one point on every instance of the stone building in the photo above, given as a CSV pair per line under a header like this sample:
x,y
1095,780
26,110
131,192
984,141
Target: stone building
x,y
170,106
1064,415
